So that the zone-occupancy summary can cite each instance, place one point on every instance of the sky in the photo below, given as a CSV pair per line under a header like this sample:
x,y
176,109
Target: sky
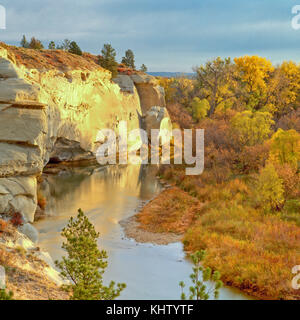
x,y
166,35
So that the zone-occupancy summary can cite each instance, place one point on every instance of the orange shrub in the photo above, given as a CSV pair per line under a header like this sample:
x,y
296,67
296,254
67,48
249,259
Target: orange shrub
x,y
3,225
17,219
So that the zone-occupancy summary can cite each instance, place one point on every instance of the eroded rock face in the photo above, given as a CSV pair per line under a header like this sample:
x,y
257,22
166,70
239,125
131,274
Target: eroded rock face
x,y
150,93
19,194
157,118
125,83
66,150
54,114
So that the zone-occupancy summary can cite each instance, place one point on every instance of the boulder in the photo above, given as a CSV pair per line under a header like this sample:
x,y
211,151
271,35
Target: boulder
x,y
150,93
125,83
68,150
30,231
18,194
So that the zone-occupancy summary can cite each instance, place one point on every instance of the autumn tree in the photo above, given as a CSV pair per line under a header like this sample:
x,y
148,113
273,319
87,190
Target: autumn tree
x,y
284,89
214,82
128,60
251,128
143,68
24,43
200,291
252,74
85,264
74,48
285,148
269,189
108,59
35,44
200,108
178,90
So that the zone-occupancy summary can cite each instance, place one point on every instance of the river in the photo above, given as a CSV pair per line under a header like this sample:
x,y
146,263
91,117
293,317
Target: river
x,y
107,196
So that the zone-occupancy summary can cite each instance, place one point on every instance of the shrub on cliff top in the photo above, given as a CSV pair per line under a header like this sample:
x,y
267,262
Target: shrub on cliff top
x,y
128,60
143,68
85,263
35,44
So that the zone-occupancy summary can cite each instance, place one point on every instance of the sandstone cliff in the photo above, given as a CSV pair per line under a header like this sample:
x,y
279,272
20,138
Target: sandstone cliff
x,y
54,109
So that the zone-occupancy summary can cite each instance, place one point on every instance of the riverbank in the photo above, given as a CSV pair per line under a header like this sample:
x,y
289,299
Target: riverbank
x,y
253,252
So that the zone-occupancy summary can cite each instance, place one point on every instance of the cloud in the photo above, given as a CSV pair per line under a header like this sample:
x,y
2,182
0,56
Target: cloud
x,y
166,35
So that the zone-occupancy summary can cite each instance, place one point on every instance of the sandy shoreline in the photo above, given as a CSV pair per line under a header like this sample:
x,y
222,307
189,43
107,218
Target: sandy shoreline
x,y
132,230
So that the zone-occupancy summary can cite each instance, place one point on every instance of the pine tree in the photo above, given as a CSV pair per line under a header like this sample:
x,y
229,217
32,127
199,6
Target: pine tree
x,y
85,264
51,45
24,43
108,59
199,291
143,68
128,60
75,49
6,296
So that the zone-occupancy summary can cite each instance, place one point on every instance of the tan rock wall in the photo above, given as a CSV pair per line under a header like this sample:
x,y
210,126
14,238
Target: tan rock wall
x,y
37,107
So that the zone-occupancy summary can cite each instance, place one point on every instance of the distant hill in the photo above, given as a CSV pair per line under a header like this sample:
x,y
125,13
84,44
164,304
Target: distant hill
x,y
172,74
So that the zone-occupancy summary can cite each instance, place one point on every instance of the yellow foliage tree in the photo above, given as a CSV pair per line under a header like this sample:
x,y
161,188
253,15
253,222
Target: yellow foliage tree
x,y
269,189
215,82
199,108
177,90
253,73
285,148
249,129
283,89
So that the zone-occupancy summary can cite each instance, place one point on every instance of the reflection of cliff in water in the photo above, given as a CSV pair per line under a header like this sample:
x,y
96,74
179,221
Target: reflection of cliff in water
x,y
73,187
149,185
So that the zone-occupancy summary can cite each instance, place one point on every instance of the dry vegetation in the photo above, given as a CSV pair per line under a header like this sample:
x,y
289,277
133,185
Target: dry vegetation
x,y
249,220
51,59
25,273
173,211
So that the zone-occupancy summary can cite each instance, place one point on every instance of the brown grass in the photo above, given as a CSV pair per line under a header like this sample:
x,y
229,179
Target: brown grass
x,y
173,211
51,59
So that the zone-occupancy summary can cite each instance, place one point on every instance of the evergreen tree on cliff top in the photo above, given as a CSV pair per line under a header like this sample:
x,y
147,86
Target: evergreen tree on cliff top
x,y
128,60
74,48
24,43
85,264
143,68
108,59
51,45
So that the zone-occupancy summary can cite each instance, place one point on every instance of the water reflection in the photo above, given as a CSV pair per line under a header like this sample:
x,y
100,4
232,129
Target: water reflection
x,y
108,195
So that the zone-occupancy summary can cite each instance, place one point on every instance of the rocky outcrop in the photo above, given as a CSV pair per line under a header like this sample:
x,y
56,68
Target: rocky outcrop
x,y
151,94
157,118
57,114
19,194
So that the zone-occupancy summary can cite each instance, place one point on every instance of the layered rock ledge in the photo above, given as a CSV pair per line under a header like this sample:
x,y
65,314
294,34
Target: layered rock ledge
x,y
54,110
